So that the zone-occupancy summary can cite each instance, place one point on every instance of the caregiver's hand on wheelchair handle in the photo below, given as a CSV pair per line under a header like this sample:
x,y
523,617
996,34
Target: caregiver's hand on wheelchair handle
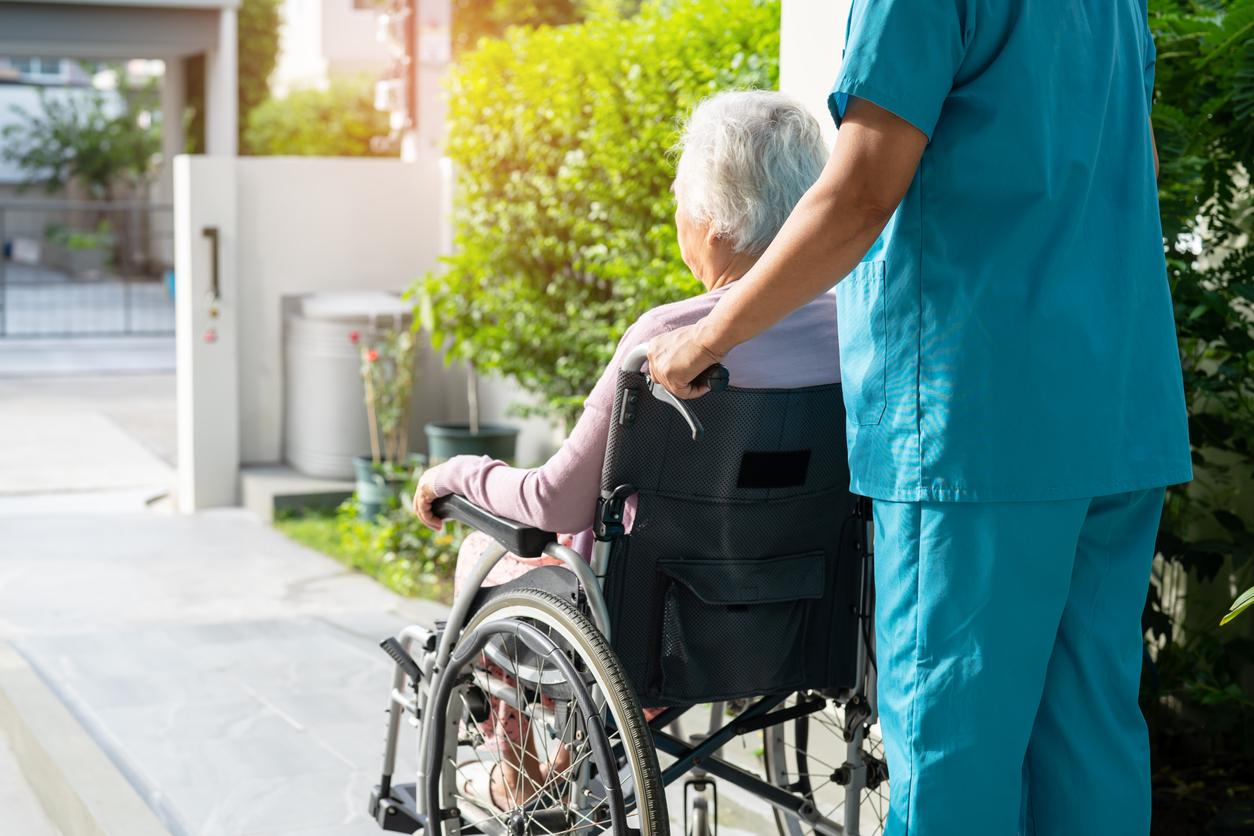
x,y
424,494
678,360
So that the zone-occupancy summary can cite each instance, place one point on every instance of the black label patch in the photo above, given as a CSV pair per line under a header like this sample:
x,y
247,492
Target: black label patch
x,y
784,469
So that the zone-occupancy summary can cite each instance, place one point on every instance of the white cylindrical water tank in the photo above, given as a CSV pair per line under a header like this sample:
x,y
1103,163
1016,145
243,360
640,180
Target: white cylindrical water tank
x,y
325,423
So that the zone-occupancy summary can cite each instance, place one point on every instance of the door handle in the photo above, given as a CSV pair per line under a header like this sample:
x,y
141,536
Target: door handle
x,y
215,289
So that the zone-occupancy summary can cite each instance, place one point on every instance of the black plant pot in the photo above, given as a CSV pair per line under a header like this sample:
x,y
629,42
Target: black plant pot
x,y
375,490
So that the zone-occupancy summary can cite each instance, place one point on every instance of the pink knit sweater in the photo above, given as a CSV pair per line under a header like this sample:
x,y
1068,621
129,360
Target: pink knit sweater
x,y
561,494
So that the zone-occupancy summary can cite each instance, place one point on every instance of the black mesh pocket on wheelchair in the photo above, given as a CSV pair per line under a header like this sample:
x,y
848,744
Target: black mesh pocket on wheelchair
x,y
734,628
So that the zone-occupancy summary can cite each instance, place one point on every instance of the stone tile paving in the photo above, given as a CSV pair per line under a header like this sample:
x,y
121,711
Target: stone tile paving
x,y
79,434
233,676
43,356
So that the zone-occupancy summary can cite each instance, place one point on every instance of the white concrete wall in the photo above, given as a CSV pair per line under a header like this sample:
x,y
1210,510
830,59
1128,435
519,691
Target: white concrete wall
x,y
812,37
319,224
291,226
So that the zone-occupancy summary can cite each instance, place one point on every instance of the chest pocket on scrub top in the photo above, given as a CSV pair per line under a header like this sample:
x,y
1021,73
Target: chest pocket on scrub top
x,y
862,321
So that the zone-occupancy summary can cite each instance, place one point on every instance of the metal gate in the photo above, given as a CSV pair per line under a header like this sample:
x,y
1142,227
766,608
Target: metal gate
x,y
86,268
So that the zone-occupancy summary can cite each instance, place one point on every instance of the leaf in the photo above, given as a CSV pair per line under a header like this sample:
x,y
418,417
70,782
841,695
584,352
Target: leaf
x,y
1234,524
1244,601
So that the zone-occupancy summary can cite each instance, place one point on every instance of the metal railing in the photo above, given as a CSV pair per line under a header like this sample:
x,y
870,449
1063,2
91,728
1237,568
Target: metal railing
x,y
72,268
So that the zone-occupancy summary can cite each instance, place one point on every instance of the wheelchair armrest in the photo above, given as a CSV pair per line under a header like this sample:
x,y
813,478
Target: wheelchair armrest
x,y
518,538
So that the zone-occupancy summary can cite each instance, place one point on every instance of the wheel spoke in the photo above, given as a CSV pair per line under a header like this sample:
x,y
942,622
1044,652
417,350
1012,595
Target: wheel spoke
x,y
812,762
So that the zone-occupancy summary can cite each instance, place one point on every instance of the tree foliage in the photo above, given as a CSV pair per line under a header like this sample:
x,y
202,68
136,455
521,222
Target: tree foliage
x,y
258,31
1204,123
564,226
339,121
474,20
96,141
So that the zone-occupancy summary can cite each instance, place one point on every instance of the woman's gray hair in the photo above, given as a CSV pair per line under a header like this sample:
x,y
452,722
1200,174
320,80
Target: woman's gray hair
x,y
746,158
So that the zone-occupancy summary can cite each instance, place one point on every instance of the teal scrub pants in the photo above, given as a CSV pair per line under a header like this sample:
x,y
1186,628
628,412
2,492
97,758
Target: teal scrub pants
x,y
1009,651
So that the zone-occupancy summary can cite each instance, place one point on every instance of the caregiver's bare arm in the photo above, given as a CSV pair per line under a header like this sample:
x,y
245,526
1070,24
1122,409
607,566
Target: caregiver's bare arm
x,y
825,237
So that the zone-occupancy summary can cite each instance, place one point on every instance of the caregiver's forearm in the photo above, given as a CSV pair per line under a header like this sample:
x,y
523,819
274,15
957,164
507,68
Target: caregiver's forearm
x,y
828,232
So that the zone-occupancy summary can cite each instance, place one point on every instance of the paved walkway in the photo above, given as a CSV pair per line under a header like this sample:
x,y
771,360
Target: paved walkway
x,y
19,809
77,434
43,356
233,676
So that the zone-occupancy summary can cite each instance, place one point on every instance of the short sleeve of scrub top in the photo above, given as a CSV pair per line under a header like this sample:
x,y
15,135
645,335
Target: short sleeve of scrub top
x,y
881,36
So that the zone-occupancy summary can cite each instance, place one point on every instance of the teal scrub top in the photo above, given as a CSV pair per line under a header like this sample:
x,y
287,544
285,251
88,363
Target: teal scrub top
x,y
1010,336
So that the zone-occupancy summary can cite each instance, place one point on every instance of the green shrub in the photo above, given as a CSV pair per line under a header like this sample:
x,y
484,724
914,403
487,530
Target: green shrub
x,y
78,239
339,121
564,228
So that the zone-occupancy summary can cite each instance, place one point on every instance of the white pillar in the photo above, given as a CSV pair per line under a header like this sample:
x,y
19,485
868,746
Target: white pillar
x,y
206,346
173,136
222,90
811,39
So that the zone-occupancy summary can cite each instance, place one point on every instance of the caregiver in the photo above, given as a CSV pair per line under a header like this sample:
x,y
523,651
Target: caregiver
x,y
1013,390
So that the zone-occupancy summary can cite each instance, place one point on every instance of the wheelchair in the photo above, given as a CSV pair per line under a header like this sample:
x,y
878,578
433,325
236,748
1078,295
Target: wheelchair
x,y
742,587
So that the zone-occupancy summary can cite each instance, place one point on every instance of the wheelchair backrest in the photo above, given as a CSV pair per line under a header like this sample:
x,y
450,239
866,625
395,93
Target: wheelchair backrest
x,y
741,573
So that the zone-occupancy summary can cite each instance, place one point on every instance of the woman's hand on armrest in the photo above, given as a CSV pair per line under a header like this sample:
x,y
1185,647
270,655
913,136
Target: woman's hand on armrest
x,y
424,494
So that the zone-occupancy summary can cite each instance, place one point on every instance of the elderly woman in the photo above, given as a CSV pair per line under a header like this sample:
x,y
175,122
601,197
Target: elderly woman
x,y
747,158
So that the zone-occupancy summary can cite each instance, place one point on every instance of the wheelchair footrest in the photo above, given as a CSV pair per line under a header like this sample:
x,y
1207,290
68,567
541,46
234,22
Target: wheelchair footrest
x,y
397,811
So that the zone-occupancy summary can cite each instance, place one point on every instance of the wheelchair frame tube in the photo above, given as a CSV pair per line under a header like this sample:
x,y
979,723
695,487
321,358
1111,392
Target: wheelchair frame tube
x,y
588,579
396,708
568,557
634,360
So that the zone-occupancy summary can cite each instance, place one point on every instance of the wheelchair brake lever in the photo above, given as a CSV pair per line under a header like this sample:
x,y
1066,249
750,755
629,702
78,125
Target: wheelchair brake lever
x,y
663,394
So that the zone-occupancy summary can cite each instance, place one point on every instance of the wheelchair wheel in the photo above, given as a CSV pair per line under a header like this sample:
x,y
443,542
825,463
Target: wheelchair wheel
x,y
548,775
811,757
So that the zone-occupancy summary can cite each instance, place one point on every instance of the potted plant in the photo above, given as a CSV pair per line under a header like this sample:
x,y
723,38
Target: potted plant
x,y
78,252
387,374
443,311
446,439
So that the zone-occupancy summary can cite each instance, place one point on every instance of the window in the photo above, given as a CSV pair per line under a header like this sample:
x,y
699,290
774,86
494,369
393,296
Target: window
x,y
39,69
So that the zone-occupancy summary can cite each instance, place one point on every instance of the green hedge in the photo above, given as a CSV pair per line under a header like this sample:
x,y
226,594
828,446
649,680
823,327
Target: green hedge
x,y
339,121
562,139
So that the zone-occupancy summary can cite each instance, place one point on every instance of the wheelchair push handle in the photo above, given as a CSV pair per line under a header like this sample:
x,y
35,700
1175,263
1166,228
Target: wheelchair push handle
x,y
716,378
